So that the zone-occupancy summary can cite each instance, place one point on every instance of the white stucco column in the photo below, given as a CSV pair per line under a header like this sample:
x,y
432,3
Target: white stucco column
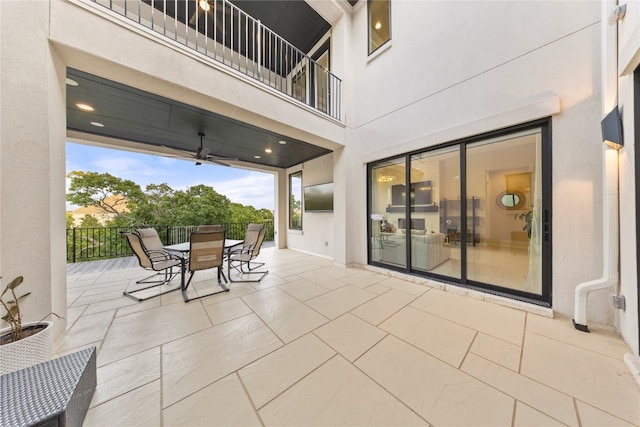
x,y
32,160
280,220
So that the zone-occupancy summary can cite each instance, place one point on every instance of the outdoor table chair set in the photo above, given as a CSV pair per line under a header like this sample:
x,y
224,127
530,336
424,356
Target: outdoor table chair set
x,y
207,249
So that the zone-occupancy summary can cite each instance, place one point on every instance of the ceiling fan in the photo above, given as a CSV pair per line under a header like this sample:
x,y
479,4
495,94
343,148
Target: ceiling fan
x,y
203,155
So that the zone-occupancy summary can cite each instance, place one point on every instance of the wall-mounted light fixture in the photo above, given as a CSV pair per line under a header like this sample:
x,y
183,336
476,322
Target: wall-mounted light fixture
x,y
612,129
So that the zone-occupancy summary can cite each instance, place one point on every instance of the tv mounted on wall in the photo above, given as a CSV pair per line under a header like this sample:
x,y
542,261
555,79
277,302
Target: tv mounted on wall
x,y
318,198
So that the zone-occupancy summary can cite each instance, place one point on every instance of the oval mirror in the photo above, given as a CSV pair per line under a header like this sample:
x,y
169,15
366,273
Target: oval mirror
x,y
510,200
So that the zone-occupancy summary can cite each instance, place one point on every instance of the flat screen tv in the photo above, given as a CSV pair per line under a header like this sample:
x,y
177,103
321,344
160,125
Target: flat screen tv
x,y
318,198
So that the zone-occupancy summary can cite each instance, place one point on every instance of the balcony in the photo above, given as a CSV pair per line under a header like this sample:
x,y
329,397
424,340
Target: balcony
x,y
223,33
314,343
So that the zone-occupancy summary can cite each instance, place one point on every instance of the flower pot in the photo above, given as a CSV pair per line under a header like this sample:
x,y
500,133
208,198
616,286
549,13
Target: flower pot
x,y
29,351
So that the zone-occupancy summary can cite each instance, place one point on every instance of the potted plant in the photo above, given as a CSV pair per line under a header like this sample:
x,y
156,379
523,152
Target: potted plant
x,y
22,344
527,217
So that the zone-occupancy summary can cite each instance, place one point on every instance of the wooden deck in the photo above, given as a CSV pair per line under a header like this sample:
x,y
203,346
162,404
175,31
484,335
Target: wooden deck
x,y
88,267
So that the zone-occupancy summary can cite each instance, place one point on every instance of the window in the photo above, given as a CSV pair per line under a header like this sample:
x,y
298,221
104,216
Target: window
x,y
379,13
295,201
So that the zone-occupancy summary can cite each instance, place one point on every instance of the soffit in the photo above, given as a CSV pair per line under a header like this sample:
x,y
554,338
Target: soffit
x,y
134,115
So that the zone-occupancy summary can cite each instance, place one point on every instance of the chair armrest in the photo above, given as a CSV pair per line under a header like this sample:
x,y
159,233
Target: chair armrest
x,y
157,254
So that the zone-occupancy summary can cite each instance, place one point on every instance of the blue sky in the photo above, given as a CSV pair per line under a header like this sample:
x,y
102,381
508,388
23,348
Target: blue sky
x,y
239,185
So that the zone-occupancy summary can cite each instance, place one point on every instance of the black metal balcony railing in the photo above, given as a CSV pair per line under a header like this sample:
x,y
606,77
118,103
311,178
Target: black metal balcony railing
x,y
89,244
223,32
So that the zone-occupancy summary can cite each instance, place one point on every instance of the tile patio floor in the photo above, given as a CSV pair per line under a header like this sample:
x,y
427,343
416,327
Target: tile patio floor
x,y
317,344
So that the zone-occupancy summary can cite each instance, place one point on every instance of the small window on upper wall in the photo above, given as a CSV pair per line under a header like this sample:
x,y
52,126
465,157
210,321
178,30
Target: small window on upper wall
x,y
379,12
295,201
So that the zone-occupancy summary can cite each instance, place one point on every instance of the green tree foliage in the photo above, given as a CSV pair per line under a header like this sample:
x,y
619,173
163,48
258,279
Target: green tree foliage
x,y
242,213
90,221
158,204
103,190
69,220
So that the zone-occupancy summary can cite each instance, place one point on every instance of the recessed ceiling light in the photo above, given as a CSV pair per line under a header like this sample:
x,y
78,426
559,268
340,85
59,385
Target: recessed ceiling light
x,y
378,25
71,82
281,142
204,5
256,157
97,124
85,107
268,150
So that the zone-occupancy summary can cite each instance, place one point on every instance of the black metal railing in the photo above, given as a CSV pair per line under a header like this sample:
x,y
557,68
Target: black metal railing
x,y
90,244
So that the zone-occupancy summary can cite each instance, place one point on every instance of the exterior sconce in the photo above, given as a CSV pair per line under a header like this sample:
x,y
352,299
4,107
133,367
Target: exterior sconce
x,y
612,129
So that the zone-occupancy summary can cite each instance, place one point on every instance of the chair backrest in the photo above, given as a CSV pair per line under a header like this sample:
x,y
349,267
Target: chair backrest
x,y
136,246
256,249
150,239
210,227
452,229
206,249
251,235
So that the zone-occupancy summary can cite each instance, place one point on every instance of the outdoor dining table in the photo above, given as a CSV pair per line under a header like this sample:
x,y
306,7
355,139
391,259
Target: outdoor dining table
x,y
184,249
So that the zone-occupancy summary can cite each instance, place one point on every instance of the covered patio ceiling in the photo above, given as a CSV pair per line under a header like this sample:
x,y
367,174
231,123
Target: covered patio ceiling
x,y
171,128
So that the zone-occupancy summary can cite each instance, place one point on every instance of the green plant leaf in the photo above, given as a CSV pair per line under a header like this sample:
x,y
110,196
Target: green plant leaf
x,y
13,311
15,282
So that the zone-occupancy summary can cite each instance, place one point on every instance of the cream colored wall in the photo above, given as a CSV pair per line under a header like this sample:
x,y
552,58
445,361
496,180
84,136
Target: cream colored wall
x,y
629,60
456,69
32,158
317,235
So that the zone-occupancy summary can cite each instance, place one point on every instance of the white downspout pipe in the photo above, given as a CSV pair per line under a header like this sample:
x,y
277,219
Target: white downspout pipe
x,y
610,214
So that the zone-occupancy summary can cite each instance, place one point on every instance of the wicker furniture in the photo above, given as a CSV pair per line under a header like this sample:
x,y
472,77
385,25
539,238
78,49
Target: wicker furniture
x,y
53,393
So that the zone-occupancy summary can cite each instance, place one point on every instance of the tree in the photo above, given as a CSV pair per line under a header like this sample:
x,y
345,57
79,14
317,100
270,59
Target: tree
x,y
90,221
109,193
69,220
200,204
246,214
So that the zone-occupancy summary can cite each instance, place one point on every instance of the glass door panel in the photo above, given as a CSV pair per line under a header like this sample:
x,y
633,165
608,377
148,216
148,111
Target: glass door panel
x,y
388,206
503,205
434,224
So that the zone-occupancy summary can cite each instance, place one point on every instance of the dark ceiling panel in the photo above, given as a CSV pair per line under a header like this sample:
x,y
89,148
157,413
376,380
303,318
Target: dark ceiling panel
x,y
134,115
293,20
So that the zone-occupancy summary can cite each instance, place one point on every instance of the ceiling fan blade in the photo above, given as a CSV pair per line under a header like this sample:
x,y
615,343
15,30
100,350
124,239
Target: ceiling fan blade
x,y
211,160
202,153
194,17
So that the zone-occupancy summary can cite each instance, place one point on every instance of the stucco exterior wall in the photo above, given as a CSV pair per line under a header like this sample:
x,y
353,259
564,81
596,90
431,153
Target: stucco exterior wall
x,y
628,62
32,158
458,69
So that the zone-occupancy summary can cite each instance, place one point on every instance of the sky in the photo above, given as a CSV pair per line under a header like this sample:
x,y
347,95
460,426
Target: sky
x,y
239,185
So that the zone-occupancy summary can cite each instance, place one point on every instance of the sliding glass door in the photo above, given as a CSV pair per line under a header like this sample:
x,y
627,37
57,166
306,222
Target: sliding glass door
x,y
474,212
506,172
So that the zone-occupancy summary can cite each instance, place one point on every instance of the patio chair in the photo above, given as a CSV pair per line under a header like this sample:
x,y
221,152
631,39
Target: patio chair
x,y
159,261
206,252
210,227
242,258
